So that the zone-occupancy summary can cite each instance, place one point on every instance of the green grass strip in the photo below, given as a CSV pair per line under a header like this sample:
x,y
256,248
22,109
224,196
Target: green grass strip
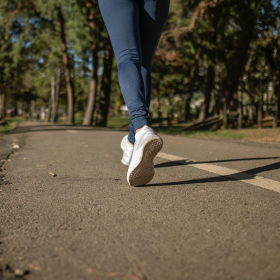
x,y
6,128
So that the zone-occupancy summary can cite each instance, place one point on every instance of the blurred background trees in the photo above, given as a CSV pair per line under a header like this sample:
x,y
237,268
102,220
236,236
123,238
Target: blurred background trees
x,y
217,64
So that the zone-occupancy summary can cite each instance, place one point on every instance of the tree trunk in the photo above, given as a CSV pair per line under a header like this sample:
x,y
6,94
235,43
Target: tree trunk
x,y
275,118
48,117
210,79
240,115
240,108
204,112
104,99
260,113
251,112
237,61
2,101
278,116
187,111
2,105
52,99
225,115
276,97
69,82
56,95
88,119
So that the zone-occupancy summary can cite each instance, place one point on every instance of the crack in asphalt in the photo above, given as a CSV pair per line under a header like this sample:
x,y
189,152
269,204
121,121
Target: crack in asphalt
x,y
6,271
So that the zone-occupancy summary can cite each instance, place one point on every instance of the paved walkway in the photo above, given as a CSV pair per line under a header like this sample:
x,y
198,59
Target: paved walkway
x,y
211,212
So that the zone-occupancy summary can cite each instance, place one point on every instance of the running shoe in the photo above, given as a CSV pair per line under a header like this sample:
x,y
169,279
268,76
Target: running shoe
x,y
127,151
141,169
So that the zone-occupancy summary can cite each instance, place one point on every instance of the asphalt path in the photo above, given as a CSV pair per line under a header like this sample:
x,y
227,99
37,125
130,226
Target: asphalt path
x,y
67,211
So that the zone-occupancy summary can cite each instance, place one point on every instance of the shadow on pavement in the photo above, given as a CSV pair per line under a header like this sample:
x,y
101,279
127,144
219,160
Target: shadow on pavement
x,y
245,175
190,182
187,162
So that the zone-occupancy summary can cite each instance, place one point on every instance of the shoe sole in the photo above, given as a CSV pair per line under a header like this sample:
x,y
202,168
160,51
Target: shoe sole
x,y
144,172
123,160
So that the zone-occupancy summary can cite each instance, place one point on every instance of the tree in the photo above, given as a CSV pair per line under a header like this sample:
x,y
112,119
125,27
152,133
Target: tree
x,y
104,97
65,56
236,62
92,19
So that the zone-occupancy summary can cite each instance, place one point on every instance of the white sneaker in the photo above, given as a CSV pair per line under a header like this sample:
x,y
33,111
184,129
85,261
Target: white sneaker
x,y
147,145
127,151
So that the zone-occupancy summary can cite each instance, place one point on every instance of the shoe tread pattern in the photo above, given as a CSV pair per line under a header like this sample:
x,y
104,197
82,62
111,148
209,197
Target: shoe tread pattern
x,y
144,172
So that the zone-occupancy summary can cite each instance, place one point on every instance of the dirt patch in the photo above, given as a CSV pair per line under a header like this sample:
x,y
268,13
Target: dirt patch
x,y
262,135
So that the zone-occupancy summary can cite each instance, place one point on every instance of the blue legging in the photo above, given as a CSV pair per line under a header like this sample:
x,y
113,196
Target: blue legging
x,y
134,28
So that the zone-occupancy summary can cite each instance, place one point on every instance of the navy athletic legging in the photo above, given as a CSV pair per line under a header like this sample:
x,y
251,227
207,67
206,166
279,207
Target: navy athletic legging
x,y
134,28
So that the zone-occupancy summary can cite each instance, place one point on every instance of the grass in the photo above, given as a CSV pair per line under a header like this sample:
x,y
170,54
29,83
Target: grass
x,y
117,122
10,126
251,134
224,134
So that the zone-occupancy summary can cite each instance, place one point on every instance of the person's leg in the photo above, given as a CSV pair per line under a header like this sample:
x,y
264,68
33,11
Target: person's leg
x,y
153,15
121,18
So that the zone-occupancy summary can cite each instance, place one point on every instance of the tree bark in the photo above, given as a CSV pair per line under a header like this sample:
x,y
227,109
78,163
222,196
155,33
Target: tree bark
x,y
104,99
69,82
251,109
240,115
204,112
225,115
276,97
187,113
276,111
237,61
88,119
2,100
91,105
240,109
2,105
260,113
210,79
52,100
56,95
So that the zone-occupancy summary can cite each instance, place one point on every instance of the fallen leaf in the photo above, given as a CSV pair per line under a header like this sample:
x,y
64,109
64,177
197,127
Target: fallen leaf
x,y
35,267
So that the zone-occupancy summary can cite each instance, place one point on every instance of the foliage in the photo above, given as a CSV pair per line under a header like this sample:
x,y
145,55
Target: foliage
x,y
213,56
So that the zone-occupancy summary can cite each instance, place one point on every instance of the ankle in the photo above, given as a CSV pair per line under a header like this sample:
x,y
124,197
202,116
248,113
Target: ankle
x,y
129,143
137,130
